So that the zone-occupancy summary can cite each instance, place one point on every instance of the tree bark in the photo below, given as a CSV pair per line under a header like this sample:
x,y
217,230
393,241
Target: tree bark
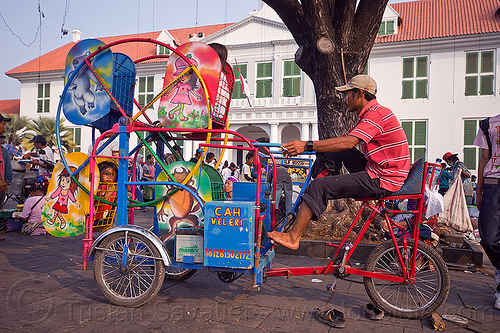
x,y
351,30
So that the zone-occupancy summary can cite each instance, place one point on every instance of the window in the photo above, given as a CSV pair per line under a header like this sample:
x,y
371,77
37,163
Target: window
x,y
479,76
264,80
386,28
415,79
43,99
162,50
238,85
146,90
291,79
77,138
416,134
471,152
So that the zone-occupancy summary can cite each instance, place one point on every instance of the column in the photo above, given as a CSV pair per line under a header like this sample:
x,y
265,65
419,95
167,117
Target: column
x,y
274,133
188,151
304,132
315,134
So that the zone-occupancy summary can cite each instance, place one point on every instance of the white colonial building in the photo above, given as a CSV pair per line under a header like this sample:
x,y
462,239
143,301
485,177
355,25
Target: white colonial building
x,y
435,62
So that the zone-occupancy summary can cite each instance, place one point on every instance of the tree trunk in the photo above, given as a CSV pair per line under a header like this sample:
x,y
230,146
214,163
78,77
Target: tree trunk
x,y
347,34
335,39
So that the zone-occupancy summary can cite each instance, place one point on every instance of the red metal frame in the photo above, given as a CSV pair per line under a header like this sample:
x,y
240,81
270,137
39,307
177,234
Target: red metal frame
x,y
379,208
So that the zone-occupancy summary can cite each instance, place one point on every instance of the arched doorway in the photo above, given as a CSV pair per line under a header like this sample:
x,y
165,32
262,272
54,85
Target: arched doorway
x,y
289,133
251,132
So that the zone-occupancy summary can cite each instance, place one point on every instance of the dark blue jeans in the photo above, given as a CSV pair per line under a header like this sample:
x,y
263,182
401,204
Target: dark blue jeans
x,y
489,223
356,185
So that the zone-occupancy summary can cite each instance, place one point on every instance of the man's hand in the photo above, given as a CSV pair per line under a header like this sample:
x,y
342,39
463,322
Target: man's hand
x,y
479,197
293,148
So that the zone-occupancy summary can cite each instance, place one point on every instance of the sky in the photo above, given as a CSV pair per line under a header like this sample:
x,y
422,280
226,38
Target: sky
x,y
23,40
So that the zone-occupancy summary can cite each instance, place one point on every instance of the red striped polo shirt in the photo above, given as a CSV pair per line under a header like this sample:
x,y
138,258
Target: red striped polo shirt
x,y
383,141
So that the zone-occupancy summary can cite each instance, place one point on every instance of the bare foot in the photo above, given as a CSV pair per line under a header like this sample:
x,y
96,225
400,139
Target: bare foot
x,y
284,239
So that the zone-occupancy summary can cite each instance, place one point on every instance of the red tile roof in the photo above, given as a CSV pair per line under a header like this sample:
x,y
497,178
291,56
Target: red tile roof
x,y
426,19
422,19
54,60
10,106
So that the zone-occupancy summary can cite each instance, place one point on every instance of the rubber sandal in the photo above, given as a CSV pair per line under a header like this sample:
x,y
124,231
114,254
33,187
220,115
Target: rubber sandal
x,y
331,317
373,312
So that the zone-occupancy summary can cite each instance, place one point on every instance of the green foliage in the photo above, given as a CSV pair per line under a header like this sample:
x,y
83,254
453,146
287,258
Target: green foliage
x,y
15,129
46,126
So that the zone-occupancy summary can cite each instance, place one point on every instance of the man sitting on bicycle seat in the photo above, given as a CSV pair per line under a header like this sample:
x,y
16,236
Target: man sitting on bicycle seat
x,y
383,143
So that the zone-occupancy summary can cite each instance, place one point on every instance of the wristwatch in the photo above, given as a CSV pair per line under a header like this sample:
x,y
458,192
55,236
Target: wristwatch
x,y
309,146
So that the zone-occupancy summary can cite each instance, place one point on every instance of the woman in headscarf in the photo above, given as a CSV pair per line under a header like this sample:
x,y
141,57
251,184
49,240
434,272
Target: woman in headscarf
x,y
228,187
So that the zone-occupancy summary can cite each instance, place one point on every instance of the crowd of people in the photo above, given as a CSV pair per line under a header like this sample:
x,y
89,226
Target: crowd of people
x,y
384,155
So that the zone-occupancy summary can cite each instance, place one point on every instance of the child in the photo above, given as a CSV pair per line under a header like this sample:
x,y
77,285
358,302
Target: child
x,y
107,190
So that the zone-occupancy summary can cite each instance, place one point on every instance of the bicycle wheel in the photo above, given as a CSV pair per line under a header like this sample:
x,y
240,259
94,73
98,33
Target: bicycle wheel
x,y
178,274
412,299
132,282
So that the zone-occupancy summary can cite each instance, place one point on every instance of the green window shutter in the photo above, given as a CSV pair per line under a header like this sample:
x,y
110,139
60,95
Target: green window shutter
x,y
390,27
287,87
422,67
408,68
46,105
264,88
40,91
287,68
487,62
262,69
150,85
296,86
243,70
381,29
471,86
470,131
291,87
238,91
470,158
407,90
78,136
486,85
420,133
295,69
268,88
471,63
419,153
268,69
408,128
39,106
149,97
47,90
421,87
260,89
142,84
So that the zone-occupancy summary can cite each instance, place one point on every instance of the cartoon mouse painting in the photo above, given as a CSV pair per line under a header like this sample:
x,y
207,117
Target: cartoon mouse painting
x,y
80,86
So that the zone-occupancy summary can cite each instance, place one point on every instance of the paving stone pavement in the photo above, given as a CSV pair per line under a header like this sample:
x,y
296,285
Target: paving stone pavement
x,y
43,288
